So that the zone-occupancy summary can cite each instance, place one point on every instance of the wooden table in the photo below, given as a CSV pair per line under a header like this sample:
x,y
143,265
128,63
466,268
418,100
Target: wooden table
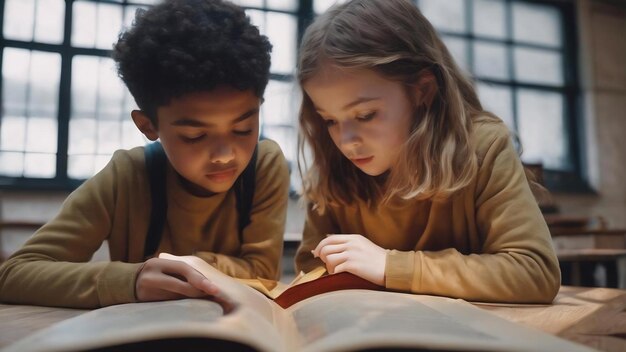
x,y
592,316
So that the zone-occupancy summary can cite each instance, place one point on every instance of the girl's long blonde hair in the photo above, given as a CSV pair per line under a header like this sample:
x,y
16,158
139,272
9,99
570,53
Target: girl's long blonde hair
x,y
393,38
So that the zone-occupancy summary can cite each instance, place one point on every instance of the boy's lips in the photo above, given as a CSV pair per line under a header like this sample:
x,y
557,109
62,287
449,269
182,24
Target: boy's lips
x,y
222,175
362,161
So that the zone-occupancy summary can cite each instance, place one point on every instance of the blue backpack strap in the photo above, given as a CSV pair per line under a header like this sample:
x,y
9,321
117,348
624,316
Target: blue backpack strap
x,y
244,192
156,162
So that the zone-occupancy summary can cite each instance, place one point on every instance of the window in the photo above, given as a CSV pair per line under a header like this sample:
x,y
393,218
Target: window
x,y
64,110
520,54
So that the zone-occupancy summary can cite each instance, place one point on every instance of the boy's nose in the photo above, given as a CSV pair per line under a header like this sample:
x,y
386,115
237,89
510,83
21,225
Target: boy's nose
x,y
222,153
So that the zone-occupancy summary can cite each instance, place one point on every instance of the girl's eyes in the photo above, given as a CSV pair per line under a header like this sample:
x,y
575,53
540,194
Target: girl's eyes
x,y
361,118
192,140
366,117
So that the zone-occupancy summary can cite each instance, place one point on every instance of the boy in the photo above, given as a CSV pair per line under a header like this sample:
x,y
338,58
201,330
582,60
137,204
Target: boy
x,y
197,70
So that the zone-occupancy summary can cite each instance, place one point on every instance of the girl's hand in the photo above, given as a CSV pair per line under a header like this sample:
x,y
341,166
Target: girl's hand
x,y
354,254
162,279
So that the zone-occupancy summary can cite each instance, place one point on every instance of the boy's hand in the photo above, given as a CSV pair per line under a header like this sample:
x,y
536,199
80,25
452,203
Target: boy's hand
x,y
162,279
354,254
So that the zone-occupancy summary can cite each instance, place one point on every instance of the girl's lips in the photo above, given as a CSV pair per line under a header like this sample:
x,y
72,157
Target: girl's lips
x,y
222,176
362,161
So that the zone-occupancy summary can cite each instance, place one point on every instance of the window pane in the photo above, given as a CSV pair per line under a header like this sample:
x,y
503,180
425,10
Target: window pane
x,y
489,18
11,164
49,22
15,74
84,84
281,103
12,133
537,24
458,50
490,60
252,3
111,90
131,137
446,15
41,134
320,6
285,137
80,166
82,136
40,165
96,24
19,19
281,31
45,75
498,100
542,130
538,66
109,25
284,5
100,122
84,24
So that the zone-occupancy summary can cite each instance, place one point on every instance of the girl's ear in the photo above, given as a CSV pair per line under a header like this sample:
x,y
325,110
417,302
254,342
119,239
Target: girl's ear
x,y
145,125
425,88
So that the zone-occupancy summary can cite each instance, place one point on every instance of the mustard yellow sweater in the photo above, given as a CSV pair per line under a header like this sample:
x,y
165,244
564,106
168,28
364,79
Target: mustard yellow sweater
x,y
52,268
487,243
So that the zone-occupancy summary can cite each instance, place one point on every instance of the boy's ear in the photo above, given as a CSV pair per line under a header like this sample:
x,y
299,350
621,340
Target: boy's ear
x,y
425,88
145,125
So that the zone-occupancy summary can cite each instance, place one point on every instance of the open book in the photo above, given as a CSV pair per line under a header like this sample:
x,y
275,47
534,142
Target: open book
x,y
242,318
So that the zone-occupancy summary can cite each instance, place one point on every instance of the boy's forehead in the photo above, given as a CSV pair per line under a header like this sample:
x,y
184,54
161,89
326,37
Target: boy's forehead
x,y
218,104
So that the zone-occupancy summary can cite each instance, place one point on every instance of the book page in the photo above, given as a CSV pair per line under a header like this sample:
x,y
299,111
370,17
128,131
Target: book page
x,y
239,313
359,319
125,324
251,299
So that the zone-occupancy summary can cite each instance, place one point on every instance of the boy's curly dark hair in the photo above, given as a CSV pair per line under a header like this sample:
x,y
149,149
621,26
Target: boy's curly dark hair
x,y
185,46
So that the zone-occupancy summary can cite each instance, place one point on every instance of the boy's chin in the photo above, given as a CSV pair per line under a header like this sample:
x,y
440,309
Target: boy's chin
x,y
208,188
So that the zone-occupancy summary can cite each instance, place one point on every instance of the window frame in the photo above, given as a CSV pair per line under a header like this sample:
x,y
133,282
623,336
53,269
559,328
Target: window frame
x,y
61,180
574,181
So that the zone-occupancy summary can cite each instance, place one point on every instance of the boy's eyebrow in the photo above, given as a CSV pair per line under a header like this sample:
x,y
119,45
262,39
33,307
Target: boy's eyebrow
x,y
352,104
190,122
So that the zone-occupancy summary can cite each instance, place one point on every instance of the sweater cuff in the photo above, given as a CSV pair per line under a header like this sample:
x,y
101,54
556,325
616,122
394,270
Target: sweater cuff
x,y
116,283
399,270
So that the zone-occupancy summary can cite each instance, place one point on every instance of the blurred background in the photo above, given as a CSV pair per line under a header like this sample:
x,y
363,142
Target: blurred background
x,y
554,71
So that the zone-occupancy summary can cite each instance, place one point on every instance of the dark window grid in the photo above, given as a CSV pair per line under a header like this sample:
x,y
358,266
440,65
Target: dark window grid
x,y
67,53
558,180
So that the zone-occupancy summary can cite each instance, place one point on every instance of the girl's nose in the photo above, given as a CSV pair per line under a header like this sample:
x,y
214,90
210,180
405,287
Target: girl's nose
x,y
349,136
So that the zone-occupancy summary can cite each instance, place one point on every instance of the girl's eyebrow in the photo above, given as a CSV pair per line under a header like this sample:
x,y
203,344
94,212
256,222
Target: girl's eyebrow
x,y
351,104
191,122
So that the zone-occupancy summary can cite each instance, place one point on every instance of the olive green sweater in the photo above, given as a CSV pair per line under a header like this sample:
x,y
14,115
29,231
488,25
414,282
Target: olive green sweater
x,y
53,267
489,242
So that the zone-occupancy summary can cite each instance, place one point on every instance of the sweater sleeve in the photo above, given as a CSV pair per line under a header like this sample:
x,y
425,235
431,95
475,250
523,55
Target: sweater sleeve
x,y
316,227
262,245
517,263
52,267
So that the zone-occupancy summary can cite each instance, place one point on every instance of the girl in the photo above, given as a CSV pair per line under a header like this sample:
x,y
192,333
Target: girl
x,y
413,185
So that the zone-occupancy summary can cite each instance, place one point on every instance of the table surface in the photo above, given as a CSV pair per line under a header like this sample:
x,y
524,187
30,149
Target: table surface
x,y
595,317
